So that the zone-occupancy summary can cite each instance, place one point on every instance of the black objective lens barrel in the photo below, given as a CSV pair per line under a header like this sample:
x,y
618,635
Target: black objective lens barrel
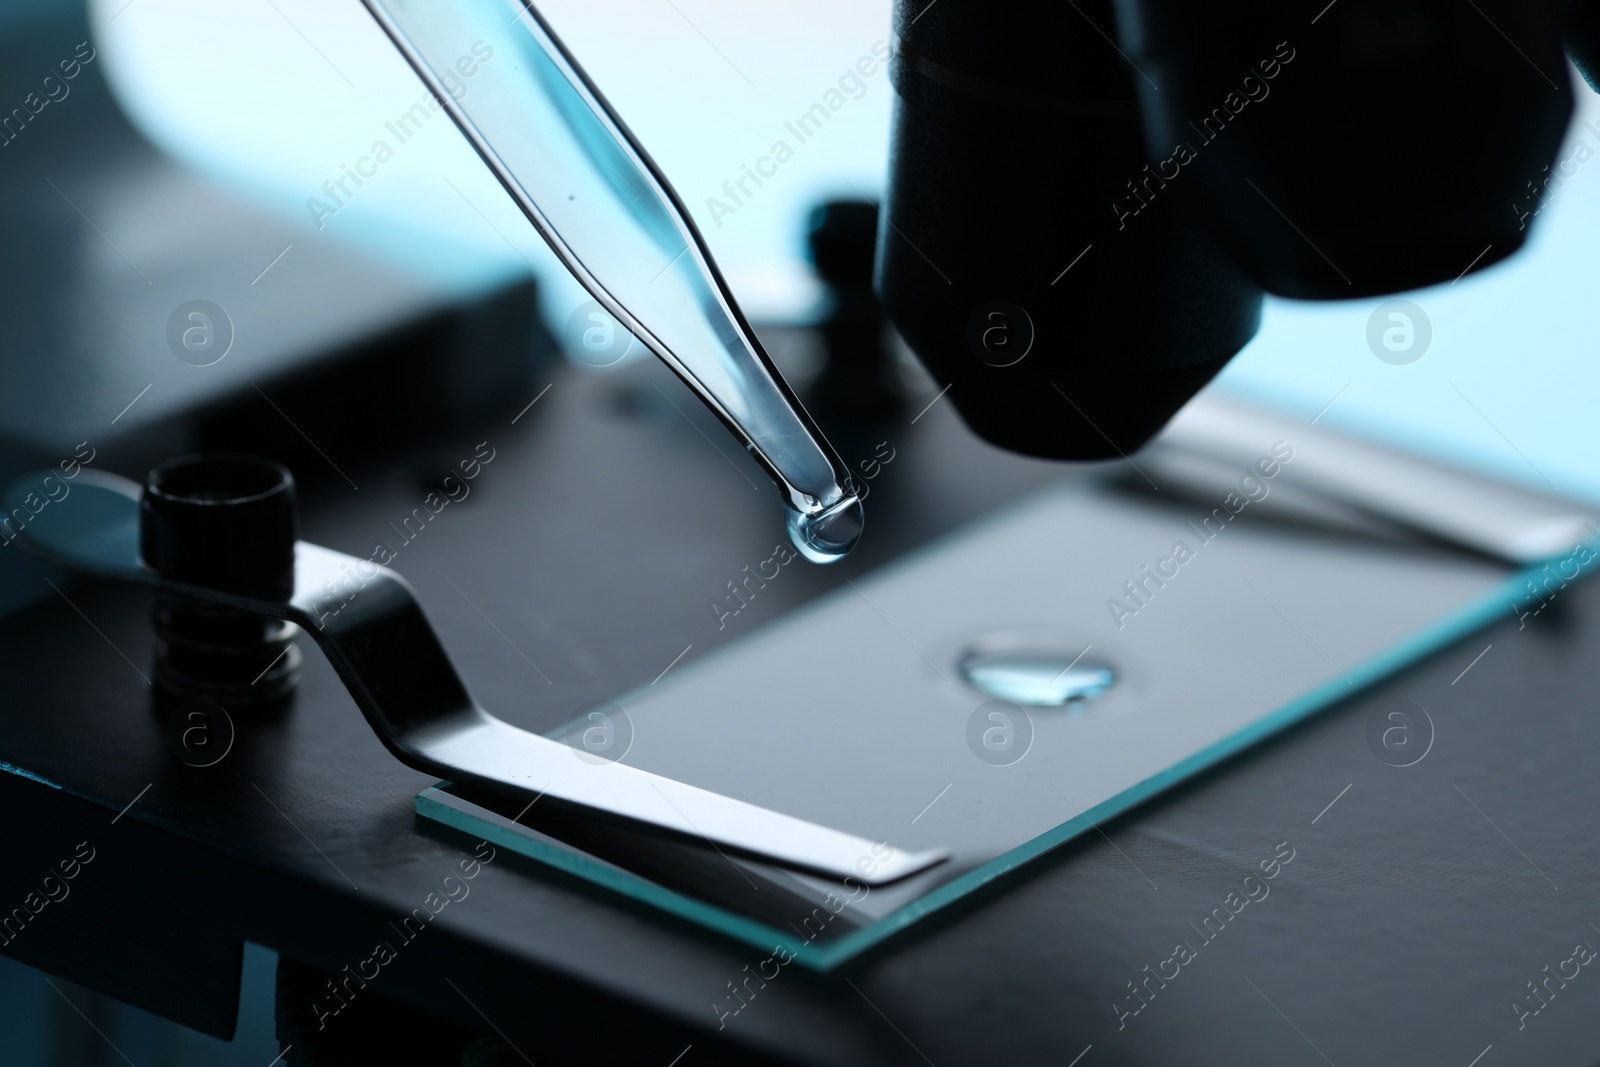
x,y
1065,325
1355,148
1582,21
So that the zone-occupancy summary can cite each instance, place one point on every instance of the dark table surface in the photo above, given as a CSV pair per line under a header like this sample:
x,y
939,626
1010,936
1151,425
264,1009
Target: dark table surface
x,y
1405,930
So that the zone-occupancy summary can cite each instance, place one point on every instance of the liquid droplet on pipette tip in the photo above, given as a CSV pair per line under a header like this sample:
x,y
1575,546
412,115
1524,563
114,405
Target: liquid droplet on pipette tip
x,y
830,534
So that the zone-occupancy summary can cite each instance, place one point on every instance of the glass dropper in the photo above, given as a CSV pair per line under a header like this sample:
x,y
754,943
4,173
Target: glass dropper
x,y
604,207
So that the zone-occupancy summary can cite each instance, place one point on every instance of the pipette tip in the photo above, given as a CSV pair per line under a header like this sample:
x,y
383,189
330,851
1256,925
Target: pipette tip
x,y
830,534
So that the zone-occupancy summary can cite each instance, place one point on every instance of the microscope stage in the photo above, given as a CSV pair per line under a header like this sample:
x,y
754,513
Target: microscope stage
x,y
854,711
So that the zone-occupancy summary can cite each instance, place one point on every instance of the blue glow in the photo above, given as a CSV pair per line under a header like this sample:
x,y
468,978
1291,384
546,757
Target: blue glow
x,y
19,772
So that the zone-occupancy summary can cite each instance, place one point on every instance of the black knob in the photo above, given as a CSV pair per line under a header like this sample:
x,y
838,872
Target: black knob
x,y
858,379
225,522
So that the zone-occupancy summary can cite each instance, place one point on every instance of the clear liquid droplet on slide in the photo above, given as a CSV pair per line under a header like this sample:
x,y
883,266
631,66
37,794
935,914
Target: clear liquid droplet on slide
x,y
1038,678
829,535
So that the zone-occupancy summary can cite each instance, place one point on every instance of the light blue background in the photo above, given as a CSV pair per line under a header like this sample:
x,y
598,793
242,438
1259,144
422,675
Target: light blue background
x,y
276,102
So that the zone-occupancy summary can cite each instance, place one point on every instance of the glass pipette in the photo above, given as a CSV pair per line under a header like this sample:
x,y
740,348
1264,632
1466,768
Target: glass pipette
x,y
604,207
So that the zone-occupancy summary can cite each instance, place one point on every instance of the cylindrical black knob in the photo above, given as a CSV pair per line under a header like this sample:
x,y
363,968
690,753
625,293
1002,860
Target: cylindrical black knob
x,y
857,380
1062,328
226,522
1317,133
